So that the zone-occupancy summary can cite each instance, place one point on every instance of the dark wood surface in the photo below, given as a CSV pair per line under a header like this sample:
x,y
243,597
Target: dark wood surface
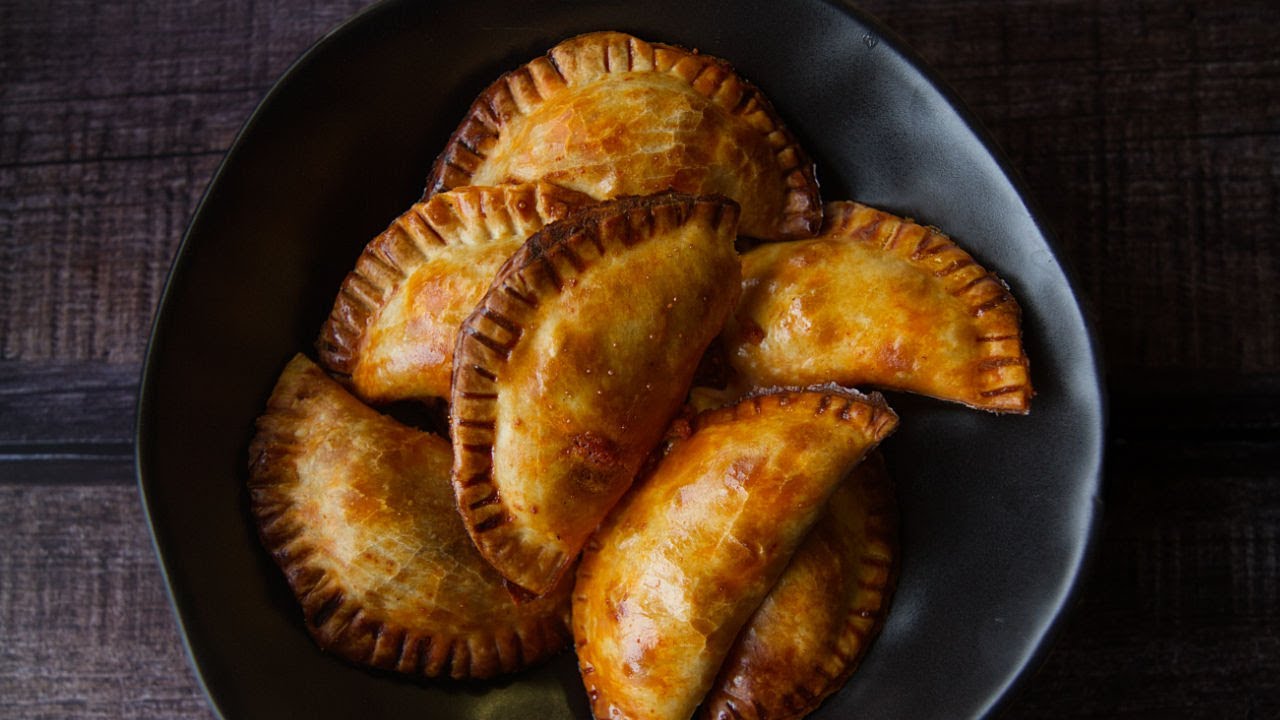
x,y
1148,134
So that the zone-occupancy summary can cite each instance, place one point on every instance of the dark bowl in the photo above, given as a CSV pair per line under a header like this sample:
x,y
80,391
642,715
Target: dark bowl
x,y
997,511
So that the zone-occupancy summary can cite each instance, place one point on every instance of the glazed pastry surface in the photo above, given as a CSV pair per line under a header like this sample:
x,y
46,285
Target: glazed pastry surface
x,y
609,115
568,372
358,512
680,566
812,630
395,322
878,300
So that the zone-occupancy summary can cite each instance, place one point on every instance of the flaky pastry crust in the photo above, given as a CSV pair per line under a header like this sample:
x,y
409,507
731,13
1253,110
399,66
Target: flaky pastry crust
x,y
609,114
812,630
569,370
689,554
879,300
394,324
357,511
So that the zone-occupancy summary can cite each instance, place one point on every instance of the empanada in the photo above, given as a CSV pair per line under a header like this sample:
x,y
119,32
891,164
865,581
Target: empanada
x,y
610,115
568,372
395,322
358,512
813,628
687,556
879,300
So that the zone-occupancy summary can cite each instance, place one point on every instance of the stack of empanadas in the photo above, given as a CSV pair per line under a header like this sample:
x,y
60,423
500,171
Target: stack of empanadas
x,y
730,546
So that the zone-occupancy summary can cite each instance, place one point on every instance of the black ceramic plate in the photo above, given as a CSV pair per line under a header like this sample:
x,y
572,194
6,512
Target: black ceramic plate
x,y
997,511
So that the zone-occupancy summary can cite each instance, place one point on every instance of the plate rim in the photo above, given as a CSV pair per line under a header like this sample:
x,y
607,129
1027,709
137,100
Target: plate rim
x,y
1086,551
1086,557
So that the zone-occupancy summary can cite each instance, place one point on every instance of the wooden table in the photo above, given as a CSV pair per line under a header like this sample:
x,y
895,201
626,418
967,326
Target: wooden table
x,y
1149,134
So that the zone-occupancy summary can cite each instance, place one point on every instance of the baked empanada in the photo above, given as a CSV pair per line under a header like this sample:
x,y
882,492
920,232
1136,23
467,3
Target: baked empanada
x,y
813,628
395,322
358,512
688,555
611,115
568,372
879,300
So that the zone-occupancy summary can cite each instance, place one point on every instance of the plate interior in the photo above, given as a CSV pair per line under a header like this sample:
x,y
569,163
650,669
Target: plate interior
x,y
997,511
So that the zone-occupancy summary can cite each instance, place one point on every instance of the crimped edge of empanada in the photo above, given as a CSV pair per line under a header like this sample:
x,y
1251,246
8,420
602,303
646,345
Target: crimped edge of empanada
x,y
845,403
488,337
820,680
867,413
588,57
335,619
1003,384
466,215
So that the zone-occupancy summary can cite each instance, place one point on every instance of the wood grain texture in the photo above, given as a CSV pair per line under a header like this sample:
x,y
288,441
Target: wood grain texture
x,y
114,117
1180,614
85,626
1147,132
76,404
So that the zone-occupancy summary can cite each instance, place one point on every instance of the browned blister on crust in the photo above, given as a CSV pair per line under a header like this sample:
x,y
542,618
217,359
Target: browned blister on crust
x,y
357,511
394,324
879,300
812,630
609,114
572,365
681,564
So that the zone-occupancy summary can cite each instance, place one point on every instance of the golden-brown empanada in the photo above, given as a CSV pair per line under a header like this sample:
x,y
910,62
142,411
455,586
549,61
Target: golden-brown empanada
x,y
568,372
395,322
688,555
357,510
813,628
879,300
610,115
